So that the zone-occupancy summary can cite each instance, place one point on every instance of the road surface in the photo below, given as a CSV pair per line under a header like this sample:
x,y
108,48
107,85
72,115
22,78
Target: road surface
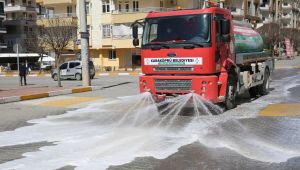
x,y
110,128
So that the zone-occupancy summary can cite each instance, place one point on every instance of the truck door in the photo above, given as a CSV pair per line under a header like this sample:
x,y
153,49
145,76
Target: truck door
x,y
221,46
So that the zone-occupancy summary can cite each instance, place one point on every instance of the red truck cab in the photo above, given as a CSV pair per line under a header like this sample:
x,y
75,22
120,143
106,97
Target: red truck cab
x,y
189,51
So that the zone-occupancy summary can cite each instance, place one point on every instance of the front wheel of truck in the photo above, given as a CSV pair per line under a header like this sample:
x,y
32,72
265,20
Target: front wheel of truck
x,y
231,92
263,89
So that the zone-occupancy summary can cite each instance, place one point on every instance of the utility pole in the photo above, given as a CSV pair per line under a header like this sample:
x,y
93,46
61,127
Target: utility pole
x,y
86,81
18,63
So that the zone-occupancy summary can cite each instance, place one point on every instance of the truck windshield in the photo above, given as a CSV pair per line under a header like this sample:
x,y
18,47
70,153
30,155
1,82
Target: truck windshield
x,y
194,29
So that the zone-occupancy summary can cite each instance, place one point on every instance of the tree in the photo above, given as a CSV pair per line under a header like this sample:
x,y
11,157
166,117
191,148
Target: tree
x,y
271,34
57,34
35,44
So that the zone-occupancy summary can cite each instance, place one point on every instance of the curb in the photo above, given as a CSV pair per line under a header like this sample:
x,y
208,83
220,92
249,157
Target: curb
x,y
99,74
11,99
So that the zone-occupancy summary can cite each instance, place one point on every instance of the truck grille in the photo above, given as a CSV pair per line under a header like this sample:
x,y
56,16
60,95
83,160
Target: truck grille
x,y
177,85
173,68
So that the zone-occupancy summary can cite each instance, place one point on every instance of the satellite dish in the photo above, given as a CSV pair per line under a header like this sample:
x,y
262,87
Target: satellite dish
x,y
16,46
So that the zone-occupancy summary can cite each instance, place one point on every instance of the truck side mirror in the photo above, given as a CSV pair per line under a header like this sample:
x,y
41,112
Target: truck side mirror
x,y
135,31
226,38
225,27
225,30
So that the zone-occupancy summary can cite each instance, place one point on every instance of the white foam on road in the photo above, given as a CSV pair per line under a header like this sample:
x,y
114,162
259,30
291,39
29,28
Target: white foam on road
x,y
94,137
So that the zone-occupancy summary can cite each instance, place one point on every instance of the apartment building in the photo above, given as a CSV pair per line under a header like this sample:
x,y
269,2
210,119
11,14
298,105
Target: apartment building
x,y
64,10
245,10
20,22
284,12
2,28
109,24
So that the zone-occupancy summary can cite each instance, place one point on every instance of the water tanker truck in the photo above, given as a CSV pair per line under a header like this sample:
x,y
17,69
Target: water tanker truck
x,y
201,51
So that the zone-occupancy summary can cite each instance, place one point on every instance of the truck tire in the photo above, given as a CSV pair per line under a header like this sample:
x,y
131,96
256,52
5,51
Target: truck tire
x,y
231,92
264,88
253,91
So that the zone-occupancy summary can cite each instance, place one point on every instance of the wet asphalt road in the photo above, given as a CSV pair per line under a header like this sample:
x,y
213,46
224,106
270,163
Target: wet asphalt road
x,y
241,138
265,142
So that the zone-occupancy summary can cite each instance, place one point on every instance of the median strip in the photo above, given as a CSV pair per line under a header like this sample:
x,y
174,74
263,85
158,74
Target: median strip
x,y
32,96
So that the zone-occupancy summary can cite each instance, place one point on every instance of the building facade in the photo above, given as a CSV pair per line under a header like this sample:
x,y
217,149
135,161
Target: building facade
x,y
109,21
20,22
284,12
3,31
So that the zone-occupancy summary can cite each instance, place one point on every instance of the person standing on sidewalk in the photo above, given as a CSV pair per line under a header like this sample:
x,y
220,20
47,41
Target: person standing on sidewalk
x,y
22,74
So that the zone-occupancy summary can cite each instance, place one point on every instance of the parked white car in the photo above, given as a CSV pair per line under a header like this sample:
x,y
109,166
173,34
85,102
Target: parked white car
x,y
72,70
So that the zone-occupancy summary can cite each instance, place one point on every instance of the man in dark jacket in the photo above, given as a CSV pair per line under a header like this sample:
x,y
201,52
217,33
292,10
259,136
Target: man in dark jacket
x,y
22,73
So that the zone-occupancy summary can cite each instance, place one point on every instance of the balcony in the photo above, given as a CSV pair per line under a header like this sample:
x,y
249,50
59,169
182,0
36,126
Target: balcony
x,y
237,12
2,14
55,2
15,8
19,21
3,30
264,8
286,17
287,26
267,20
287,7
3,45
52,16
130,15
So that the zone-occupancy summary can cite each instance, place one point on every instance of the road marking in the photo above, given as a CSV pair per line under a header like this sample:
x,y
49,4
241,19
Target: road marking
x,y
281,109
68,101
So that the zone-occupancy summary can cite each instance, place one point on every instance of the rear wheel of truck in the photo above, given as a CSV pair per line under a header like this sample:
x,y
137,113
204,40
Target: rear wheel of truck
x,y
253,91
231,92
263,89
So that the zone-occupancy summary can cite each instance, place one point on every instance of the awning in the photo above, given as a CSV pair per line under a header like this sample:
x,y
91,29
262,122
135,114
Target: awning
x,y
21,55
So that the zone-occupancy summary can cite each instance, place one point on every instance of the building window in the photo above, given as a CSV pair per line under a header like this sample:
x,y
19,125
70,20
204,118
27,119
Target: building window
x,y
69,11
105,6
120,5
161,3
127,6
87,8
106,29
24,2
135,5
112,54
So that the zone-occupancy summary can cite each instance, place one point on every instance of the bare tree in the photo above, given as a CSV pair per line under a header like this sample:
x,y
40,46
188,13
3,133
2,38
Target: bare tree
x,y
57,34
34,43
271,34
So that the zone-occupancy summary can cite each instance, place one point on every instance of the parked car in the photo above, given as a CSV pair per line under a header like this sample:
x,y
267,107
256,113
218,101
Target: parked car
x,y
72,70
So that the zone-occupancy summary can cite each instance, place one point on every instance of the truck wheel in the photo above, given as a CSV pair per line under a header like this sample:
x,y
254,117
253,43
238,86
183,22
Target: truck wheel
x,y
230,98
264,88
55,77
78,77
253,91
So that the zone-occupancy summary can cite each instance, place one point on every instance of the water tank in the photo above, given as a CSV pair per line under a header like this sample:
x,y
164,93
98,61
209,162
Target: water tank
x,y
247,40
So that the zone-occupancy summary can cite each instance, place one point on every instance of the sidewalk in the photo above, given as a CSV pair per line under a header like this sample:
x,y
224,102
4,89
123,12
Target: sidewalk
x,y
29,93
15,94
288,64
36,74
